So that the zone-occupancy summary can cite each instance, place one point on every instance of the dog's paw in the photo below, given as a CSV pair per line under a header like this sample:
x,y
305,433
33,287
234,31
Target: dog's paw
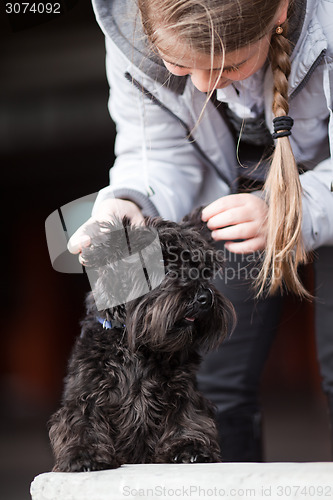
x,y
191,454
84,464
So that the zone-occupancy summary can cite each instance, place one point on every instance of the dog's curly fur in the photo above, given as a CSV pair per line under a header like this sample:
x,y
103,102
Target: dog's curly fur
x,y
130,394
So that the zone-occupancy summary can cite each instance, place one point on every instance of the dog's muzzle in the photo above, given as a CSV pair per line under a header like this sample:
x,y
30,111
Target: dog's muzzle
x,y
203,301
204,298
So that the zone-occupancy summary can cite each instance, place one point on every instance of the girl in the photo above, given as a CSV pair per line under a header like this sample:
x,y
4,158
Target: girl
x,y
228,104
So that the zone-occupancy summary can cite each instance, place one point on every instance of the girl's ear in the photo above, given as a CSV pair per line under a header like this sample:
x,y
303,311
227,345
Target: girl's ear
x,y
282,13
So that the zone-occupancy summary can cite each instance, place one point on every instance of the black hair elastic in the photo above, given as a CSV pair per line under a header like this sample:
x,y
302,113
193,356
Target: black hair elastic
x,y
282,126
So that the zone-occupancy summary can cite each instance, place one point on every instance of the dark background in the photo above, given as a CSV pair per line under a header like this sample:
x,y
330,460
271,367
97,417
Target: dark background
x,y
56,145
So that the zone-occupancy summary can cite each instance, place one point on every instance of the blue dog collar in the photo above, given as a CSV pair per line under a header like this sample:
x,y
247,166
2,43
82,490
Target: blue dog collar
x,y
107,325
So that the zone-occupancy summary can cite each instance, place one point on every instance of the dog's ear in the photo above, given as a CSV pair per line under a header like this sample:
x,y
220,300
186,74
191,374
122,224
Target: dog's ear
x,y
108,243
193,221
123,262
115,240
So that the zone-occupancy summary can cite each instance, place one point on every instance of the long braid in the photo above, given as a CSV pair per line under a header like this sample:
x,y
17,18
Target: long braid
x,y
284,248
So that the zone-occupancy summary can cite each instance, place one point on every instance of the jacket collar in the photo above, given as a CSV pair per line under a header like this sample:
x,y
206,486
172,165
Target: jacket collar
x,y
296,20
120,20
309,49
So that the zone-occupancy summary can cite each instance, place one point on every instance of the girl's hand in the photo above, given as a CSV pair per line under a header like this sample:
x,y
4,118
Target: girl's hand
x,y
107,210
238,217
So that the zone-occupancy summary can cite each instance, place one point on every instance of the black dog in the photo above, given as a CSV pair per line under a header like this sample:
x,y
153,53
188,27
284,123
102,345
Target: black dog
x,y
130,394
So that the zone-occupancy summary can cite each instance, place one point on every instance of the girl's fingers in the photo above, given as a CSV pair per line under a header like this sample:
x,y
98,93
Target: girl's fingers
x,y
247,246
238,232
108,210
238,217
224,203
78,241
230,217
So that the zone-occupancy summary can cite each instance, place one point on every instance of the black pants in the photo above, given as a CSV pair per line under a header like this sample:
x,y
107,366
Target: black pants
x,y
230,377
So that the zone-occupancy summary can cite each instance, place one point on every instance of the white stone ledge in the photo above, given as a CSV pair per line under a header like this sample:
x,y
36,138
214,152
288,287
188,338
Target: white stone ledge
x,y
274,481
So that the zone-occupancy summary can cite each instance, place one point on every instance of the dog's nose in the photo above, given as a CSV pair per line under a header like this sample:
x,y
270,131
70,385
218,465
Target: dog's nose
x,y
204,297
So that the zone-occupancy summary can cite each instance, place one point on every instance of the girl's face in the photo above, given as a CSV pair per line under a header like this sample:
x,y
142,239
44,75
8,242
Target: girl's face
x,y
238,65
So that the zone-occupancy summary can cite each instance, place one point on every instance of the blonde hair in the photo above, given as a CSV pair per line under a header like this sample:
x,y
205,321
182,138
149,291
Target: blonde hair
x,y
216,27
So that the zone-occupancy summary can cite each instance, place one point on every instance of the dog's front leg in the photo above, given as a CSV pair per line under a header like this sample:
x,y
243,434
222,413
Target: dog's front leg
x,y
81,431
194,439
80,443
